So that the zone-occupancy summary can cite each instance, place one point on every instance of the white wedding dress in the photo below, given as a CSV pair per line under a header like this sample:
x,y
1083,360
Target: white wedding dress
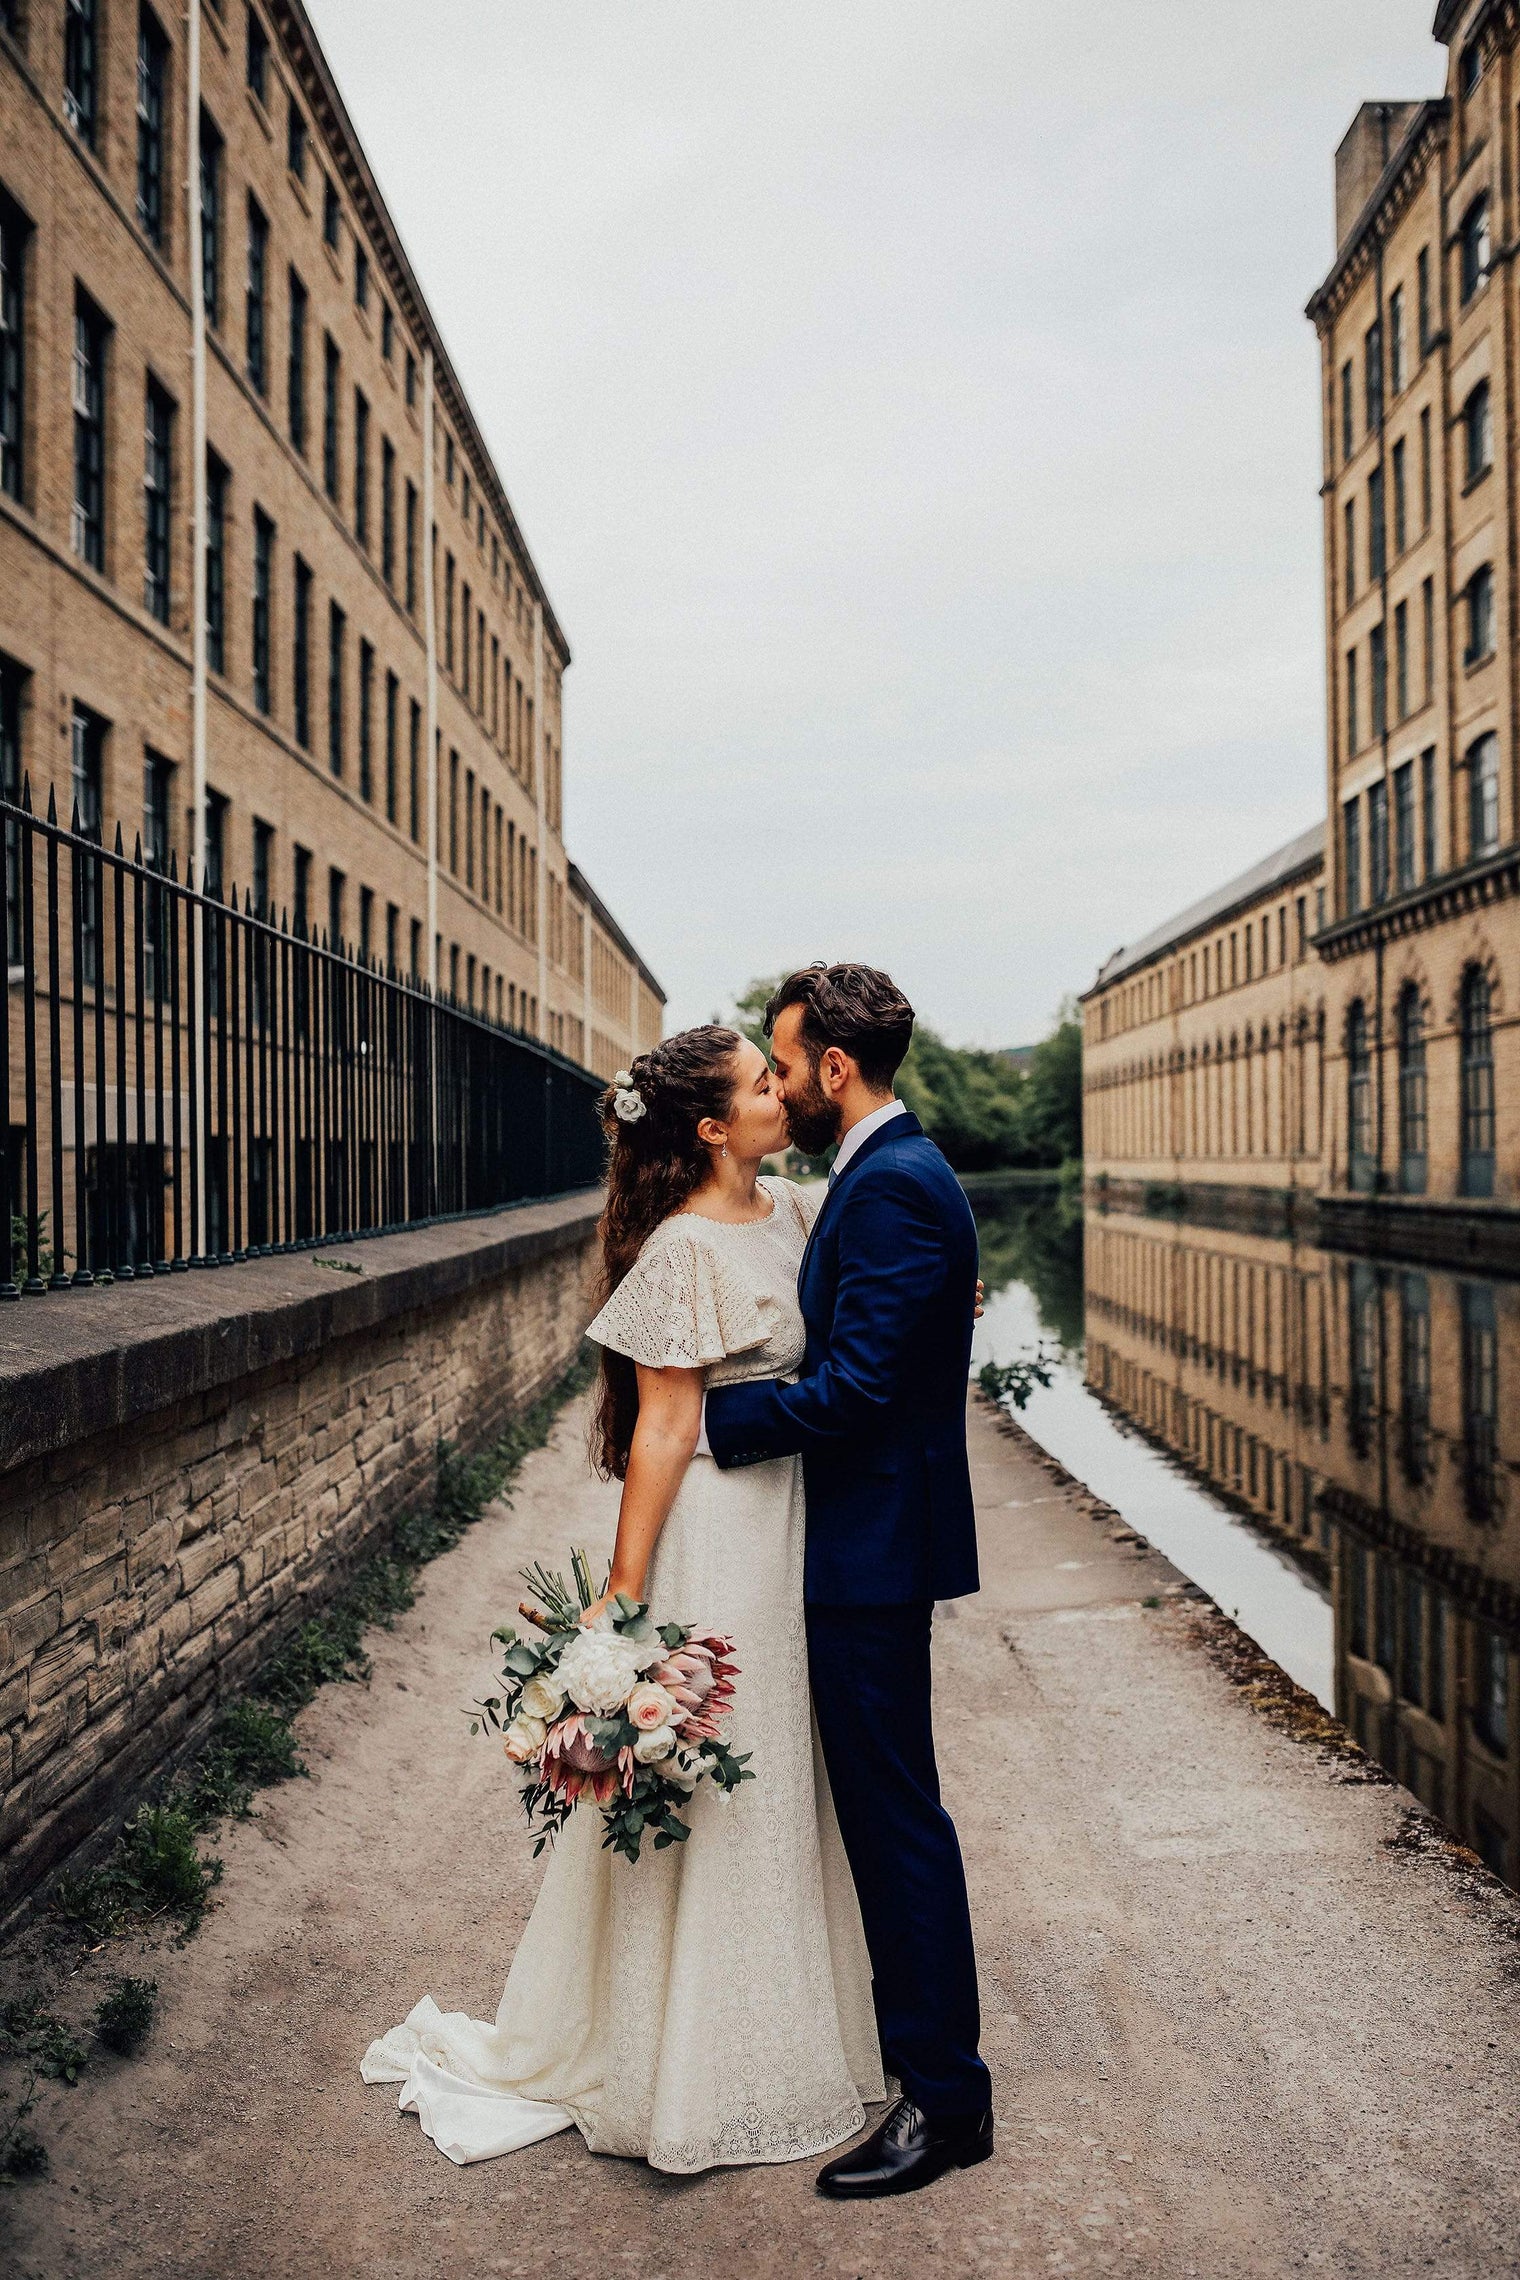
x,y
710,2003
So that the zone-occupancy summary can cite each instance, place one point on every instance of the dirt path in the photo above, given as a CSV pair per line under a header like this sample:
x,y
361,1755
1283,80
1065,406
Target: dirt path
x,y
1232,2032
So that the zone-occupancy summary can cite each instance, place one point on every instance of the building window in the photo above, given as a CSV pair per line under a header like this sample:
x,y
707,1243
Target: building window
x,y
295,141
1483,796
366,720
158,778
332,214
414,774
1400,498
448,460
387,332
469,829
454,812
331,368
263,868
361,278
158,430
392,700
1372,375
1410,1030
1353,732
448,613
336,626
295,372
392,940
366,925
81,68
300,891
1428,613
12,350
387,511
211,220
216,564
1480,1397
300,654
1377,527
261,643
1477,1093
1474,248
411,547
1423,299
87,528
1359,1099
256,57
1348,402
87,742
1377,674
411,381
1397,371
258,264
1351,842
1478,432
12,681
1401,659
152,78
1428,810
1404,872
1414,1379
1480,616
336,882
1469,68
1491,1690
1377,840
361,468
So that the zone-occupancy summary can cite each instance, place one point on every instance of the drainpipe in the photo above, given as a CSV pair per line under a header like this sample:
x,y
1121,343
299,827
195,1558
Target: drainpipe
x,y
430,617
197,552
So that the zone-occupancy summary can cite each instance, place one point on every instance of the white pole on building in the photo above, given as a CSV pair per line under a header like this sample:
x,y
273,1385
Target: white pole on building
x,y
539,773
430,600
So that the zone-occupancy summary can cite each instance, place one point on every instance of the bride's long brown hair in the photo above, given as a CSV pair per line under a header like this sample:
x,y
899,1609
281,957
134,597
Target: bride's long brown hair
x,y
654,1165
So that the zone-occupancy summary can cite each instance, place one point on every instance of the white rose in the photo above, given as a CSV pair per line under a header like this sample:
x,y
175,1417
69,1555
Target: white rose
x,y
524,1739
683,1769
599,1669
542,1697
650,1748
650,1707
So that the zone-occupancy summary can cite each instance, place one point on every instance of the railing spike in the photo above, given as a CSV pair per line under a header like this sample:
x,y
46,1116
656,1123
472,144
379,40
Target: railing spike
x,y
174,866
74,817
137,847
26,791
118,849
52,813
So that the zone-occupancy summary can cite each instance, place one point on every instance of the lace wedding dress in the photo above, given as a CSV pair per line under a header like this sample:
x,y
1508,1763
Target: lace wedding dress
x,y
710,2003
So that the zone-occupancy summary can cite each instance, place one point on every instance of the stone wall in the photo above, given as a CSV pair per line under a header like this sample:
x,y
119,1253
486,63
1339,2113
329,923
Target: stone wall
x,y
185,1465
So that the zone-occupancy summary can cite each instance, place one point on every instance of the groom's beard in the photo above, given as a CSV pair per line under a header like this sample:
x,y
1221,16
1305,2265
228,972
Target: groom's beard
x,y
813,1118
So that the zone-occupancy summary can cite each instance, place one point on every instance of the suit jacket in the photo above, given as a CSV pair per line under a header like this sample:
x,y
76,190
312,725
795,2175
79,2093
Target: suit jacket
x,y
888,1292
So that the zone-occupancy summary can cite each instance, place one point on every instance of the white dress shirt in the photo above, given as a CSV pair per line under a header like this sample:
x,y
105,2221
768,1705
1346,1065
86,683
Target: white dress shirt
x,y
855,1138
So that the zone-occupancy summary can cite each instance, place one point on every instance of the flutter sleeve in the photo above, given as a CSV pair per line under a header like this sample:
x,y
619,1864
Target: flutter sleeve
x,y
682,1305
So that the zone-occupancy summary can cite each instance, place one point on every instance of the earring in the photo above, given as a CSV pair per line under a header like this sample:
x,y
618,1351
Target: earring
x,y
725,1149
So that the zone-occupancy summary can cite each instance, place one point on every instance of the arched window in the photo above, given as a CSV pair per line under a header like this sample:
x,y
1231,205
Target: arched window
x,y
1477,1083
1483,796
1469,69
1478,431
1474,247
1412,1098
1480,616
1359,1100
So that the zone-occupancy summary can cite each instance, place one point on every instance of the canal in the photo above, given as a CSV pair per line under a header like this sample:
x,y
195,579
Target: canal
x,y
1326,1445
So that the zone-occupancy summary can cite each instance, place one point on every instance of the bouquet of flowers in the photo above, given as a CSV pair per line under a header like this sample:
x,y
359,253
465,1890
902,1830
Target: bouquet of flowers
x,y
629,1712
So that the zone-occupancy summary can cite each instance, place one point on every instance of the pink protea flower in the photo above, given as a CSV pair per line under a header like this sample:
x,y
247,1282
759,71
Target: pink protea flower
x,y
699,1678
573,1764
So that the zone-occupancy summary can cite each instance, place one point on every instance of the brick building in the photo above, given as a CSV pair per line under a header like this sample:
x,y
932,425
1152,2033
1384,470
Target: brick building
x,y
1410,979
371,685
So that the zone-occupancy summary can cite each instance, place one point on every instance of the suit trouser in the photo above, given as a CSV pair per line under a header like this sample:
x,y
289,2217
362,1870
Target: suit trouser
x,y
872,1698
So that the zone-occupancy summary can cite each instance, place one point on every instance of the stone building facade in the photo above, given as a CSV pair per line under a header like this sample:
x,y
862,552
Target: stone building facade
x,y
376,699
1407,1132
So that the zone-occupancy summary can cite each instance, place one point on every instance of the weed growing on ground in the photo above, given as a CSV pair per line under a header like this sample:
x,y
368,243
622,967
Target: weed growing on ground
x,y
124,2016
31,2032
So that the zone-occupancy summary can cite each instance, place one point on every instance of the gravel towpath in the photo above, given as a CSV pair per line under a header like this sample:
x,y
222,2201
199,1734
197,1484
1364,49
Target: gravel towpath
x,y
1234,2031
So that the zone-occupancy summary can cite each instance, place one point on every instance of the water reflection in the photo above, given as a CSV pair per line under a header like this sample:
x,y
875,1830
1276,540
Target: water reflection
x,y
1353,1414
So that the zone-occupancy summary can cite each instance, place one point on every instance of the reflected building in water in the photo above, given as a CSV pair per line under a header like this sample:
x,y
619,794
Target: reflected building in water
x,y
1356,1410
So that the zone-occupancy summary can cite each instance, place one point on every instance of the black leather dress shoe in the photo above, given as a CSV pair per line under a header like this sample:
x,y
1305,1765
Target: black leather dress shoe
x,y
905,2152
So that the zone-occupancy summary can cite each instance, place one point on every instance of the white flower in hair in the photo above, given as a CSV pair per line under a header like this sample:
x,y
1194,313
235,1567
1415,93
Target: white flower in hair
x,y
628,1105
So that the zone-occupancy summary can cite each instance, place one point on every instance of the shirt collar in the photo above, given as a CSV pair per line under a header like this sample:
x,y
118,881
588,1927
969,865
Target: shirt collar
x,y
860,1133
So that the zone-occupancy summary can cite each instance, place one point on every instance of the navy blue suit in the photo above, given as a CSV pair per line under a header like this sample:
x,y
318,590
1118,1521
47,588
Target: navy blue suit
x,y
888,1290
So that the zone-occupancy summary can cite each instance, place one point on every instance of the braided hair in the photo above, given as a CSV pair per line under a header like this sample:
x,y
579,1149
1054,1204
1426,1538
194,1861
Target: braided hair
x,y
655,1163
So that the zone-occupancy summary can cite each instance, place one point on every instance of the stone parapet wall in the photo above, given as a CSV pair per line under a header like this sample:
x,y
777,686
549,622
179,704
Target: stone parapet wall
x,y
185,1466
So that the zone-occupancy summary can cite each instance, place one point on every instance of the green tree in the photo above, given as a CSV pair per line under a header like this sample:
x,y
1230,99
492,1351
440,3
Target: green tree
x,y
1051,1102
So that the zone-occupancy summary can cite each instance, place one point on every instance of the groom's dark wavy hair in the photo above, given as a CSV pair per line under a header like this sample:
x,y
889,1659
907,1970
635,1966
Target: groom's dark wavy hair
x,y
858,1008
654,1166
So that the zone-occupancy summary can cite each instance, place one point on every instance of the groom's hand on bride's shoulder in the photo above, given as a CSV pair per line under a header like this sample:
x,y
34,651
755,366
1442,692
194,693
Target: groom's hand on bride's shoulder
x,y
981,1293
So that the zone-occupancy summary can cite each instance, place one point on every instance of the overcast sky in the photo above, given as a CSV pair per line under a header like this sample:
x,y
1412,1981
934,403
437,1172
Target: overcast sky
x,y
910,409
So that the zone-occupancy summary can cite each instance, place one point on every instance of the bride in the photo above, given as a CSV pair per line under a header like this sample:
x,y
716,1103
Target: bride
x,y
710,2003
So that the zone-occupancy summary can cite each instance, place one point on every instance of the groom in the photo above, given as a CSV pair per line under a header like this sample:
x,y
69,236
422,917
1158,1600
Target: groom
x,y
888,1290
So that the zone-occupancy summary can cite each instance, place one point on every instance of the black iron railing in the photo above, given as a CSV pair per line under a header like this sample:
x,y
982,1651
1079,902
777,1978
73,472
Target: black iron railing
x,y
188,1083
